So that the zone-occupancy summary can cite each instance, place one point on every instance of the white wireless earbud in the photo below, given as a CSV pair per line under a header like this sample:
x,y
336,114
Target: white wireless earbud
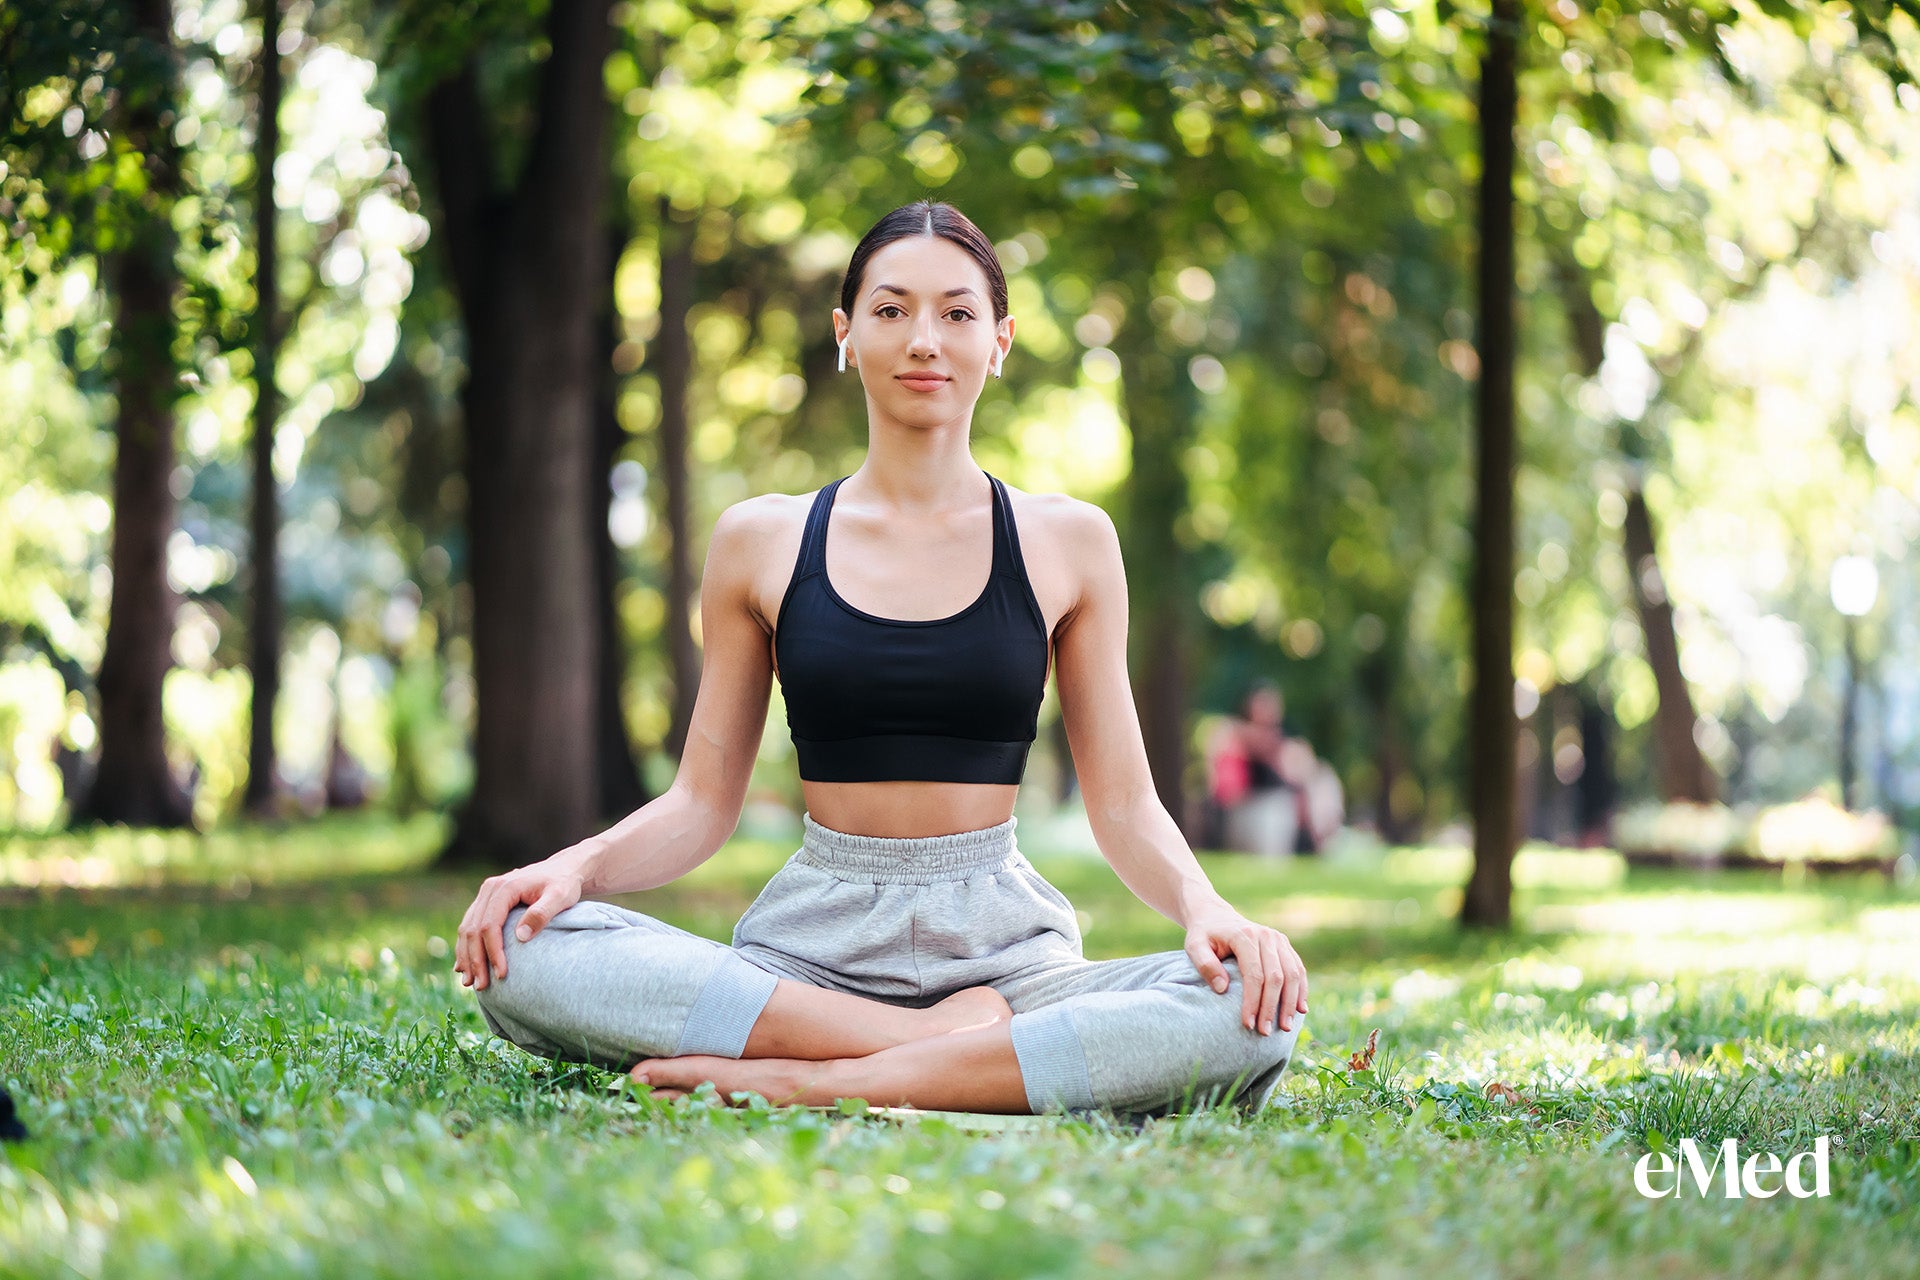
x,y
843,355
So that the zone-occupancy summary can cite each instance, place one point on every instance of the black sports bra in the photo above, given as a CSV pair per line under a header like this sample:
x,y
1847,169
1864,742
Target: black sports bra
x,y
954,699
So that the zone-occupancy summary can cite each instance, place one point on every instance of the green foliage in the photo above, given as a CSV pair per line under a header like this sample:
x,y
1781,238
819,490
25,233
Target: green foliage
x,y
1090,87
71,180
1238,243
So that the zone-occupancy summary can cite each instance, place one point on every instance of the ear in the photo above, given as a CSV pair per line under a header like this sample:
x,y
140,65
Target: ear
x,y
842,330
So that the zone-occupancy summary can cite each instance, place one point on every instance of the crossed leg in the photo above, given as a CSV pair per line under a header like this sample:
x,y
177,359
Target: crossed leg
x,y
969,1069
803,1021
608,985
1142,1032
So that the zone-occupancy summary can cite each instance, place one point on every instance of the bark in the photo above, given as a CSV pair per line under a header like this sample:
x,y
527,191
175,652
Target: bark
x,y
1488,901
133,783
673,355
622,786
1682,772
529,267
265,634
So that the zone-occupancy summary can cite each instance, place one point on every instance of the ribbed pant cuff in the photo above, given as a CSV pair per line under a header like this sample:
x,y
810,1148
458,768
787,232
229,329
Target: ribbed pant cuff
x,y
722,1018
1053,1066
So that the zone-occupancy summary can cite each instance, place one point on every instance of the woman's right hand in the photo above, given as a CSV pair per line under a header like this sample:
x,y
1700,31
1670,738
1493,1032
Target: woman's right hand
x,y
480,953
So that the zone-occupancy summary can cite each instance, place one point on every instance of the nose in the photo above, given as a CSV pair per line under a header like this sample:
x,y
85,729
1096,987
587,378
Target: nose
x,y
925,340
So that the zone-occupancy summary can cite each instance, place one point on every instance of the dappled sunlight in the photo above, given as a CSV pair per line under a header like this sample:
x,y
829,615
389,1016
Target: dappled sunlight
x,y
236,857
1692,916
1304,913
1534,866
1890,922
1817,956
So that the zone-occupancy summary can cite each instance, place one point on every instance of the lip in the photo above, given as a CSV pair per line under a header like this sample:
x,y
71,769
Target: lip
x,y
923,381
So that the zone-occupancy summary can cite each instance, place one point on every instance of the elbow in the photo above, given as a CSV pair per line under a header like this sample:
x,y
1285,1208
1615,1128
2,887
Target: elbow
x,y
710,815
1125,811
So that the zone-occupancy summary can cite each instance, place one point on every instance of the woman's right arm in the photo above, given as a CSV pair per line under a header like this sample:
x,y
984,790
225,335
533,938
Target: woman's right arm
x,y
689,822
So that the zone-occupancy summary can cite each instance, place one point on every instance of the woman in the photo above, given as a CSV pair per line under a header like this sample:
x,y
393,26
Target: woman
x,y
908,953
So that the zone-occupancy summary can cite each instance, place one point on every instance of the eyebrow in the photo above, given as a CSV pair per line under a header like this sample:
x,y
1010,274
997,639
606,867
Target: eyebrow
x,y
951,293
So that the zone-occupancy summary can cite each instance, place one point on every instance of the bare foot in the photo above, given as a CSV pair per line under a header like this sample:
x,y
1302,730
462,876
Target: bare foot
x,y
781,1081
964,1010
790,1081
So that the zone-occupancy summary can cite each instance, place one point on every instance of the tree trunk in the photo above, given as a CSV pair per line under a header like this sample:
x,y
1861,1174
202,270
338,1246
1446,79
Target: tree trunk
x,y
1488,901
1682,772
529,268
673,362
133,784
622,786
265,633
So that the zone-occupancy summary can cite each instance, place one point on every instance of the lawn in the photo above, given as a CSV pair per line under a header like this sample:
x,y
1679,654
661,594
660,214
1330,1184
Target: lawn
x,y
252,1058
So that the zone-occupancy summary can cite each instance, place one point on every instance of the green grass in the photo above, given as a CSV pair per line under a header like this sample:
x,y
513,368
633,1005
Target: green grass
x,y
271,1070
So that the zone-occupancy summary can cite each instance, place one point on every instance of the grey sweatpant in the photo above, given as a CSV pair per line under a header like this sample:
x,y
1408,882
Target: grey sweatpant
x,y
907,921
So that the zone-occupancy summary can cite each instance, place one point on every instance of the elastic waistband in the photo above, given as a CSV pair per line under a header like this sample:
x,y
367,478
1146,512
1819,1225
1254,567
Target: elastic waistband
x,y
908,859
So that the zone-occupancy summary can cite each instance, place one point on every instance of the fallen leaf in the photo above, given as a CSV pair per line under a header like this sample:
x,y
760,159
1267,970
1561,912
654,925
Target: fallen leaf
x,y
1364,1059
1497,1091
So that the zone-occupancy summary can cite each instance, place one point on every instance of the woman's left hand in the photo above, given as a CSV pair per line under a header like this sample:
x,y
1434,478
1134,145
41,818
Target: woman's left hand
x,y
1273,980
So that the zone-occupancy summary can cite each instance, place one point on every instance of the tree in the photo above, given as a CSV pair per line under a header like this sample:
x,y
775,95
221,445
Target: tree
x,y
1488,900
265,634
527,262
88,81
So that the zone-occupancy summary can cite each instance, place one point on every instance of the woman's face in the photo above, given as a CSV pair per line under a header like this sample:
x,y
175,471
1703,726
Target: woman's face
x,y
922,332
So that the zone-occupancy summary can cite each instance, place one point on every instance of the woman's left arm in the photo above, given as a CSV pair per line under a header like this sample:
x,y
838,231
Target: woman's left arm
x,y
1132,827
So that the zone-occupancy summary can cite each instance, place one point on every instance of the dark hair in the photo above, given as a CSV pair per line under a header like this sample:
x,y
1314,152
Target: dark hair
x,y
927,217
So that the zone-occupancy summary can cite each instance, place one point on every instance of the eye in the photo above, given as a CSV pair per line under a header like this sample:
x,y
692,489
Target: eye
x,y
963,313
884,308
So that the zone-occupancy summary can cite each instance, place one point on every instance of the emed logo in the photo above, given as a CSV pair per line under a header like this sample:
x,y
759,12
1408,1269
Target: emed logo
x,y
1739,1178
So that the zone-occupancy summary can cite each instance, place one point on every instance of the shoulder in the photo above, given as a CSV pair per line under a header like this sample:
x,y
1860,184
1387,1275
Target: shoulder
x,y
753,529
1078,535
1073,523
761,516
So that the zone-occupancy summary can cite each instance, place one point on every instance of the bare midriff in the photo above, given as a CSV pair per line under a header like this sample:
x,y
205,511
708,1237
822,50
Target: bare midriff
x,y
908,808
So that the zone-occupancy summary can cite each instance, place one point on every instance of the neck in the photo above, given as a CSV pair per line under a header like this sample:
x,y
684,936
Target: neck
x,y
919,469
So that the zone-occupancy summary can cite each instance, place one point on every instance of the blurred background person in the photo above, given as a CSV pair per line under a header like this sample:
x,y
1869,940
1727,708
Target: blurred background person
x,y
1269,793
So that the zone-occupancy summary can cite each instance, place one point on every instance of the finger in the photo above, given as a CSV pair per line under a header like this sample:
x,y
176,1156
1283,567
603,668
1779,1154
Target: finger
x,y
1291,999
1252,975
1208,966
1274,987
477,967
1297,992
492,938
463,948
550,903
